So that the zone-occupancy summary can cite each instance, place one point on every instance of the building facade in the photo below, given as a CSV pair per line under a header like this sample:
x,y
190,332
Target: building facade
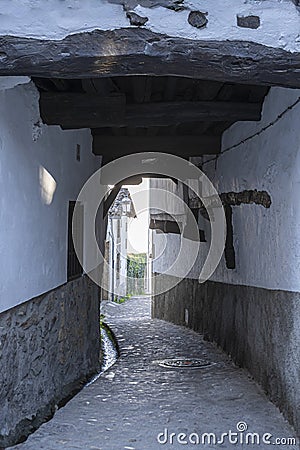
x,y
119,215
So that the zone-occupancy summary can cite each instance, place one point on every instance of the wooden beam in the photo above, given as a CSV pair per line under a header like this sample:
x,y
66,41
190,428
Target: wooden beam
x,y
136,179
142,87
170,88
132,181
103,86
111,198
170,226
245,197
89,87
229,247
137,51
61,85
79,110
185,146
43,84
175,113
167,226
208,90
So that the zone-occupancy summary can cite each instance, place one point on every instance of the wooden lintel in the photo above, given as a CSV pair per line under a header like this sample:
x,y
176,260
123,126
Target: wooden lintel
x,y
174,113
137,51
134,180
79,110
184,146
229,246
167,226
111,198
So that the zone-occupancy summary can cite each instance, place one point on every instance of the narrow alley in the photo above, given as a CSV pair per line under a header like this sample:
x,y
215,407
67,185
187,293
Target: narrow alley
x,y
150,180
132,405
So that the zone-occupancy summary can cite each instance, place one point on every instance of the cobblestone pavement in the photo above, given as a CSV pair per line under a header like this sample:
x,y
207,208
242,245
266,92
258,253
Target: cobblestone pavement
x,y
136,399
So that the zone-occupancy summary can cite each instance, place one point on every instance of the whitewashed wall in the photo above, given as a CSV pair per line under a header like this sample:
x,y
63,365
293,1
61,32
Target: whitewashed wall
x,y
33,234
266,241
55,19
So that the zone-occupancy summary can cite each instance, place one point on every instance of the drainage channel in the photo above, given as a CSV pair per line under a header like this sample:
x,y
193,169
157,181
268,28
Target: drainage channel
x,y
109,350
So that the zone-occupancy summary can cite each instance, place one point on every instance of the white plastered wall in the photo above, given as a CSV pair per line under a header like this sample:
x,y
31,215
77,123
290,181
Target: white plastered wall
x,y
266,241
33,218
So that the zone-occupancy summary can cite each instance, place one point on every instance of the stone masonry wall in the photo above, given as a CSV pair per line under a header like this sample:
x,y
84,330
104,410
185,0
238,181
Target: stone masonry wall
x,y
49,346
258,327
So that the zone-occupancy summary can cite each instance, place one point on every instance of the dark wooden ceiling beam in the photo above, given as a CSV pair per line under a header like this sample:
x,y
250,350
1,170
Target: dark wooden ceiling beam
x,y
142,88
76,110
170,88
103,86
174,113
60,84
89,86
43,84
208,90
136,51
81,110
184,146
134,180
166,226
107,158
152,131
111,198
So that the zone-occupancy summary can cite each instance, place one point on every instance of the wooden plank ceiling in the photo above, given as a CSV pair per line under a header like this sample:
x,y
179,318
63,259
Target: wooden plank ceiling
x,y
181,116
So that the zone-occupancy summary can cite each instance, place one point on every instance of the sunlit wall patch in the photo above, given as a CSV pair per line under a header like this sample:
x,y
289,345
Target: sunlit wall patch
x,y
47,186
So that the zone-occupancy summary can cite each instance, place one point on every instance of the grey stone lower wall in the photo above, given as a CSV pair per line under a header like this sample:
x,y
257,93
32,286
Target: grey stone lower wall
x,y
259,328
49,346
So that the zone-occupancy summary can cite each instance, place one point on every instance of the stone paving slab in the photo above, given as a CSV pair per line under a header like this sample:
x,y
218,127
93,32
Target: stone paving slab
x,y
137,399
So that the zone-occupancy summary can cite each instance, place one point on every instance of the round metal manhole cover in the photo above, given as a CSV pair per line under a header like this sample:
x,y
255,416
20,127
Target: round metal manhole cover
x,y
181,363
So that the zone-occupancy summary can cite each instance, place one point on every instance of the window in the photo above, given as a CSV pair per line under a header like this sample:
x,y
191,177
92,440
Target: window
x,y
74,269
